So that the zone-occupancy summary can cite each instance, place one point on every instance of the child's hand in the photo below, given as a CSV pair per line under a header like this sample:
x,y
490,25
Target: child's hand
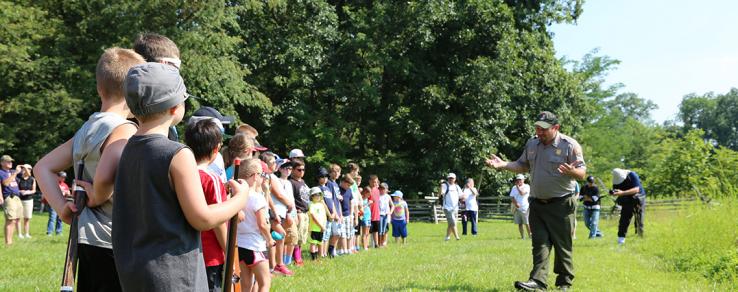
x,y
241,216
239,187
68,212
89,189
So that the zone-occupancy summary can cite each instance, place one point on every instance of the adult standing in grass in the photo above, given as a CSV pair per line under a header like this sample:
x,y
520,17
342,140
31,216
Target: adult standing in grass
x,y
27,186
11,201
469,195
626,185
54,225
519,194
591,201
555,161
450,192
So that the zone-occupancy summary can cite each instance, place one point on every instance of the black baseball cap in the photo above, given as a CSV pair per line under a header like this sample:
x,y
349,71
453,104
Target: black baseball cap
x,y
207,111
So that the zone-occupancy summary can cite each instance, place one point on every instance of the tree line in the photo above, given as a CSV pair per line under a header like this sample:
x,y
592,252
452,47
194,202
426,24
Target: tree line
x,y
409,90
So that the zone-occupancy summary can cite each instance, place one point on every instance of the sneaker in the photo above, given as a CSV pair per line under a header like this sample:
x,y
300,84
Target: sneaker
x,y
299,263
28,235
621,240
448,238
21,236
281,269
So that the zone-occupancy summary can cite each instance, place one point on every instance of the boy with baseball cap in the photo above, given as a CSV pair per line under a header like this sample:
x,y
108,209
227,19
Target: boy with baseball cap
x,y
158,193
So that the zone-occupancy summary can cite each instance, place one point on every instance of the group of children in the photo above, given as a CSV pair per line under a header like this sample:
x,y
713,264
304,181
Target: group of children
x,y
170,201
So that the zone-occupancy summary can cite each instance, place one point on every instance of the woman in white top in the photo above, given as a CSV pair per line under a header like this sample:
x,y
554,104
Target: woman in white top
x,y
469,195
519,193
282,204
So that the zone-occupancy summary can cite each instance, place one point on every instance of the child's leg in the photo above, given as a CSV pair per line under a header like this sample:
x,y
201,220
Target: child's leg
x,y
247,278
365,237
263,277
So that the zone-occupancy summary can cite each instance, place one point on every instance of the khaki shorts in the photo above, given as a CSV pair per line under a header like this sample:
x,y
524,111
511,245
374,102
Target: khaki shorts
x,y
302,228
291,236
451,216
27,209
13,208
520,217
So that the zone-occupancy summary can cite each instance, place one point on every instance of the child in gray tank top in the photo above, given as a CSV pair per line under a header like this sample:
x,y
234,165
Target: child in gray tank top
x,y
98,144
158,193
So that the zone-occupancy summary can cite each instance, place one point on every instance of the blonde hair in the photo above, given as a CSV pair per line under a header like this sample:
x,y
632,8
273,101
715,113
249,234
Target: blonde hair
x,y
247,130
248,167
335,167
111,70
236,148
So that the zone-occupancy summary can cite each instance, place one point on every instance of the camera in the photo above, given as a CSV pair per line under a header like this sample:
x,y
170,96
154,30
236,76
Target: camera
x,y
612,192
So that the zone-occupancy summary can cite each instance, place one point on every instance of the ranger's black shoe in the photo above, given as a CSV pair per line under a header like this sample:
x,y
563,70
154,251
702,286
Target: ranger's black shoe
x,y
530,285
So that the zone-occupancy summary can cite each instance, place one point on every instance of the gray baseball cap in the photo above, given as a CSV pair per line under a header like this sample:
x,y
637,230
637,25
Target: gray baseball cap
x,y
546,120
153,88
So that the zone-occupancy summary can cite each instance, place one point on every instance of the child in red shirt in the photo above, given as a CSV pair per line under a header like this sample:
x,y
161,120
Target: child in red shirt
x,y
204,138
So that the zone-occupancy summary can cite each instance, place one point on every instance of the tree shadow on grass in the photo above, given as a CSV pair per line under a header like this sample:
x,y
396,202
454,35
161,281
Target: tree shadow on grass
x,y
448,287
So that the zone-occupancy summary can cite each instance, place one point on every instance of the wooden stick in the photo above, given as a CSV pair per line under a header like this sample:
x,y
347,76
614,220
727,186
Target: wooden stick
x,y
232,273
70,259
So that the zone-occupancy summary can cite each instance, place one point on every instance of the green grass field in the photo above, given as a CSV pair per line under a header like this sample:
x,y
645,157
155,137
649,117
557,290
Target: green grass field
x,y
689,250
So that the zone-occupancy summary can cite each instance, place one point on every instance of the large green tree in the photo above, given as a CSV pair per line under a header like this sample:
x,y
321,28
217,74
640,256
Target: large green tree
x,y
410,90
35,105
716,114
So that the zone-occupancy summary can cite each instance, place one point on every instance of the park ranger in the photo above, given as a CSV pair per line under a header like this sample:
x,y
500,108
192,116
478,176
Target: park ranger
x,y
555,162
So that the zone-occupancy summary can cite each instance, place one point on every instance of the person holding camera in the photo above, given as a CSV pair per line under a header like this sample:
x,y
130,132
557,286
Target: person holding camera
x,y
591,201
555,161
627,187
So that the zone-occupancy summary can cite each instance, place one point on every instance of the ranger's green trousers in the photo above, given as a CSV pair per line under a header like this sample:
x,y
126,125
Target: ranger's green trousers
x,y
551,223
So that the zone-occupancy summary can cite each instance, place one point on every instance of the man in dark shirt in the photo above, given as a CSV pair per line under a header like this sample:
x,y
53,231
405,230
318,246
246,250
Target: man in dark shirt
x,y
590,195
301,193
627,187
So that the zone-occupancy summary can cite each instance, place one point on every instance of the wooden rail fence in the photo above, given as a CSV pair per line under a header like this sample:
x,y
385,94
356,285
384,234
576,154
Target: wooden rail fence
x,y
429,209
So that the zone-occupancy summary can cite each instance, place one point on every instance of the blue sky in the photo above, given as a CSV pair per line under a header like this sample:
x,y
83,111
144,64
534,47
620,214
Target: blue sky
x,y
667,49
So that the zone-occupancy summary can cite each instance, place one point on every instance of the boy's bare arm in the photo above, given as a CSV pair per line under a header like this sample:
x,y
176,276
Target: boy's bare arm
x,y
45,172
407,213
186,183
104,180
221,234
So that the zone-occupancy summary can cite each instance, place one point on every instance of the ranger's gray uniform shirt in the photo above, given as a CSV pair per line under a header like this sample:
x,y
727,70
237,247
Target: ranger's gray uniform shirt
x,y
546,181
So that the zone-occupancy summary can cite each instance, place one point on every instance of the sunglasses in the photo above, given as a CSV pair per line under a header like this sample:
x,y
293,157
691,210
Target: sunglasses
x,y
299,169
